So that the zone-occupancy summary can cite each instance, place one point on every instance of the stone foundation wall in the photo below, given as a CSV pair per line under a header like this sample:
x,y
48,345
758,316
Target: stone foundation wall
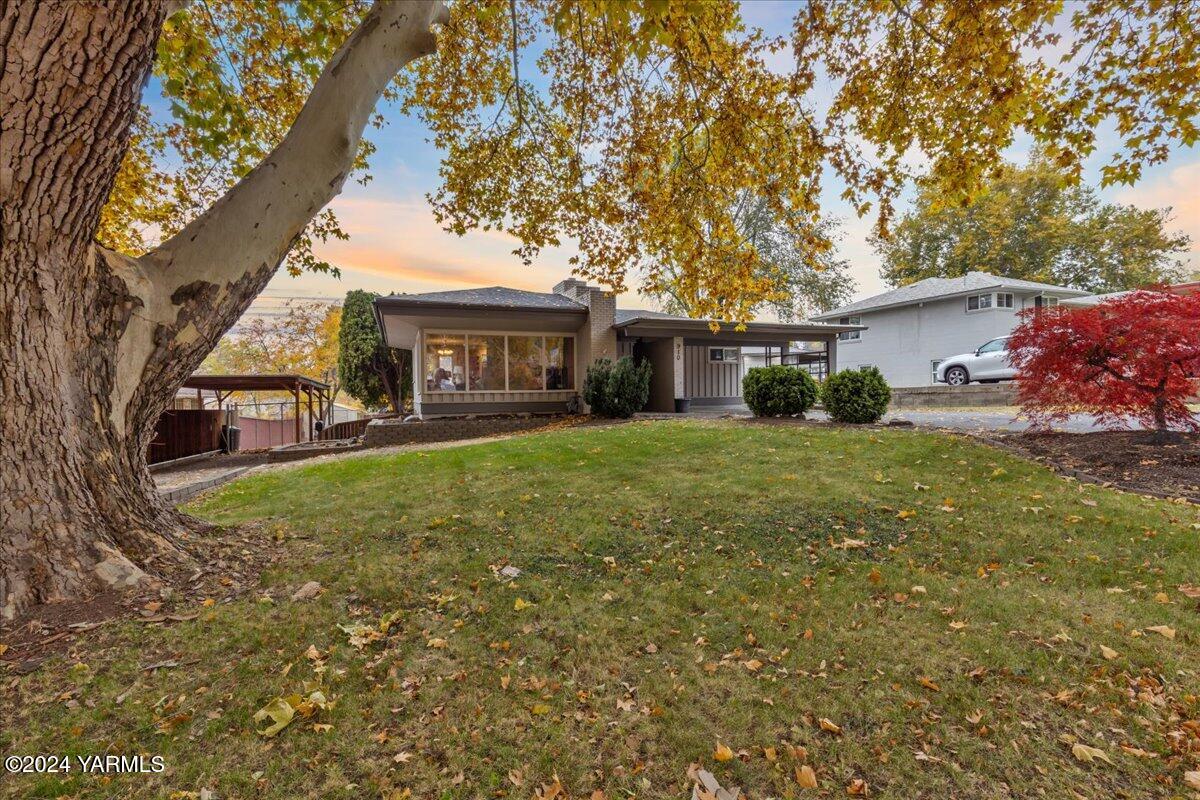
x,y
383,432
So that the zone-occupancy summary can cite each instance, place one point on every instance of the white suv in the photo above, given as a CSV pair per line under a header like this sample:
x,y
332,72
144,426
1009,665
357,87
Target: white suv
x,y
988,364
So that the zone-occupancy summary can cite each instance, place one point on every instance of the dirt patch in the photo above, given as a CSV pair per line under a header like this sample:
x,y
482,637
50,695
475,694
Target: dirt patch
x,y
1130,460
230,561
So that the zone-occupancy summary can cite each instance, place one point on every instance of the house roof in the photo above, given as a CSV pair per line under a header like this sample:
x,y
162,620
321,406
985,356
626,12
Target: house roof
x,y
938,288
487,297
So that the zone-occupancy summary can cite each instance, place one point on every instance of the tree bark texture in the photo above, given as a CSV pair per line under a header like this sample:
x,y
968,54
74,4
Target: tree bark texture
x,y
94,344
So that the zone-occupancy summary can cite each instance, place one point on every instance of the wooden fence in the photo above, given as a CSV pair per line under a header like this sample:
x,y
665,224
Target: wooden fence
x,y
185,432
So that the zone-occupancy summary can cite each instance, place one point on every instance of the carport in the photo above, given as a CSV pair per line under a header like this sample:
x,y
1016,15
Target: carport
x,y
692,362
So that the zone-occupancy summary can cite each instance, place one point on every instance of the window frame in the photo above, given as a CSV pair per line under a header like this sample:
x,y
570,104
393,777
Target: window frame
x,y
543,335
979,301
737,355
850,336
1012,300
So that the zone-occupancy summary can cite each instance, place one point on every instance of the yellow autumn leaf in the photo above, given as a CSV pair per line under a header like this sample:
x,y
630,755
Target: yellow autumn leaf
x,y
540,709
279,713
1108,652
830,727
1163,630
520,604
1088,754
806,777
722,752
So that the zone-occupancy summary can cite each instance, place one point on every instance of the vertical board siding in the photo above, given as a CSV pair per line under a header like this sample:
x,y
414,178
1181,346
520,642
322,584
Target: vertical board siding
x,y
705,379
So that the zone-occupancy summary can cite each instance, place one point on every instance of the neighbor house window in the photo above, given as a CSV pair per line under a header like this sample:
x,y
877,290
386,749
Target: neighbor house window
x,y
976,302
1044,301
445,362
850,336
1004,300
723,354
485,363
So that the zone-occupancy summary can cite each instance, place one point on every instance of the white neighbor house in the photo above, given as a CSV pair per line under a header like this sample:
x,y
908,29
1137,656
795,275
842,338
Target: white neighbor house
x,y
911,329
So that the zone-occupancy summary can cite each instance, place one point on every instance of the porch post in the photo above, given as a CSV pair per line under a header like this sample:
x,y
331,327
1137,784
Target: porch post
x,y
418,369
296,397
831,349
677,367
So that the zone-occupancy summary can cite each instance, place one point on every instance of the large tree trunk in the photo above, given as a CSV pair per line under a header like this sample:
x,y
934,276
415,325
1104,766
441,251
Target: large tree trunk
x,y
94,344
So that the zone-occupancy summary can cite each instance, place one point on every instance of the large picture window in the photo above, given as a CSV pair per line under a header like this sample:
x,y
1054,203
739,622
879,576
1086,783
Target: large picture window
x,y
485,362
526,363
457,362
445,362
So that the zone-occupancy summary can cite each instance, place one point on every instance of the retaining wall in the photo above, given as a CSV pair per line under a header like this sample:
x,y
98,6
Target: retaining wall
x,y
382,432
987,394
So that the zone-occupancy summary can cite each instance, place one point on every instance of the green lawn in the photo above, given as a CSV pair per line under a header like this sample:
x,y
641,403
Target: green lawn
x,y
684,585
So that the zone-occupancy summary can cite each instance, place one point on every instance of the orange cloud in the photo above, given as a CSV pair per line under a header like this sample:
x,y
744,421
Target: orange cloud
x,y
1177,189
401,240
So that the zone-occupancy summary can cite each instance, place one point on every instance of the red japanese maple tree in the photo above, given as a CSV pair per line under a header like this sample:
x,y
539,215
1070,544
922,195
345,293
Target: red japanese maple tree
x,y
1135,357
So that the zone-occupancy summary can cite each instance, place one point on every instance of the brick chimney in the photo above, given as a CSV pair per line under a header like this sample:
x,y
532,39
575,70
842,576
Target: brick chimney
x,y
598,334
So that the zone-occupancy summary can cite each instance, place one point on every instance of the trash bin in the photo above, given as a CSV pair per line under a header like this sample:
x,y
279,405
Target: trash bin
x,y
682,405
231,438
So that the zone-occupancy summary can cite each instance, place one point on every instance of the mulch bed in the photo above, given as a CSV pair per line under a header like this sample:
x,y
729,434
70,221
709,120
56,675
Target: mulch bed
x,y
1129,460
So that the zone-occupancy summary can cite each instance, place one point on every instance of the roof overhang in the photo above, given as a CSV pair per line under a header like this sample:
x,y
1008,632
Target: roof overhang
x,y
400,319
699,331
251,383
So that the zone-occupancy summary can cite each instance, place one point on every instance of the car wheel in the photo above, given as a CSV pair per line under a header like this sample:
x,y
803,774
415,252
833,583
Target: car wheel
x,y
957,376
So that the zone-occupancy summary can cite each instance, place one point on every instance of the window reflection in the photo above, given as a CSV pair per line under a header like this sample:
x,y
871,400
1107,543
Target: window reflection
x,y
485,362
525,360
445,362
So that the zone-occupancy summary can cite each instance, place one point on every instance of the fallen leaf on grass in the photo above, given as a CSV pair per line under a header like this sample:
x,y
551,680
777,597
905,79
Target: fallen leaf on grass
x,y
307,592
1108,652
1192,779
806,777
753,665
929,684
722,752
830,727
279,712
857,788
1088,754
540,709
520,604
1188,590
437,643
1163,630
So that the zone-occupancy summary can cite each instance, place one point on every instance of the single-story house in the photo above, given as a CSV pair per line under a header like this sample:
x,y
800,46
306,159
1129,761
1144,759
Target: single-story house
x,y
909,330
497,349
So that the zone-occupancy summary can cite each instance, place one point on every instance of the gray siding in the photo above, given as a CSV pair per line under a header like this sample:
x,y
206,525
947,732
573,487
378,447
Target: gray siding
x,y
704,379
903,342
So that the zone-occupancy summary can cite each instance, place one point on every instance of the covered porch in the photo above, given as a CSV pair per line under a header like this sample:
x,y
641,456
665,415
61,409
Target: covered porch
x,y
690,362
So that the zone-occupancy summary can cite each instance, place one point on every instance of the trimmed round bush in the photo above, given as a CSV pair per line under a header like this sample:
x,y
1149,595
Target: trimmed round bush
x,y
778,391
617,390
856,395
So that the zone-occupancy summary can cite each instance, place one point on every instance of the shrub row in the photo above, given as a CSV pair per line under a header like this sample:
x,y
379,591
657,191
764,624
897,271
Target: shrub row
x,y
853,395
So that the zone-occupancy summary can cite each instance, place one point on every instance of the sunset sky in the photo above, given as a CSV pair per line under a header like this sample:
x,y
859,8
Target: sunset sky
x,y
395,244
